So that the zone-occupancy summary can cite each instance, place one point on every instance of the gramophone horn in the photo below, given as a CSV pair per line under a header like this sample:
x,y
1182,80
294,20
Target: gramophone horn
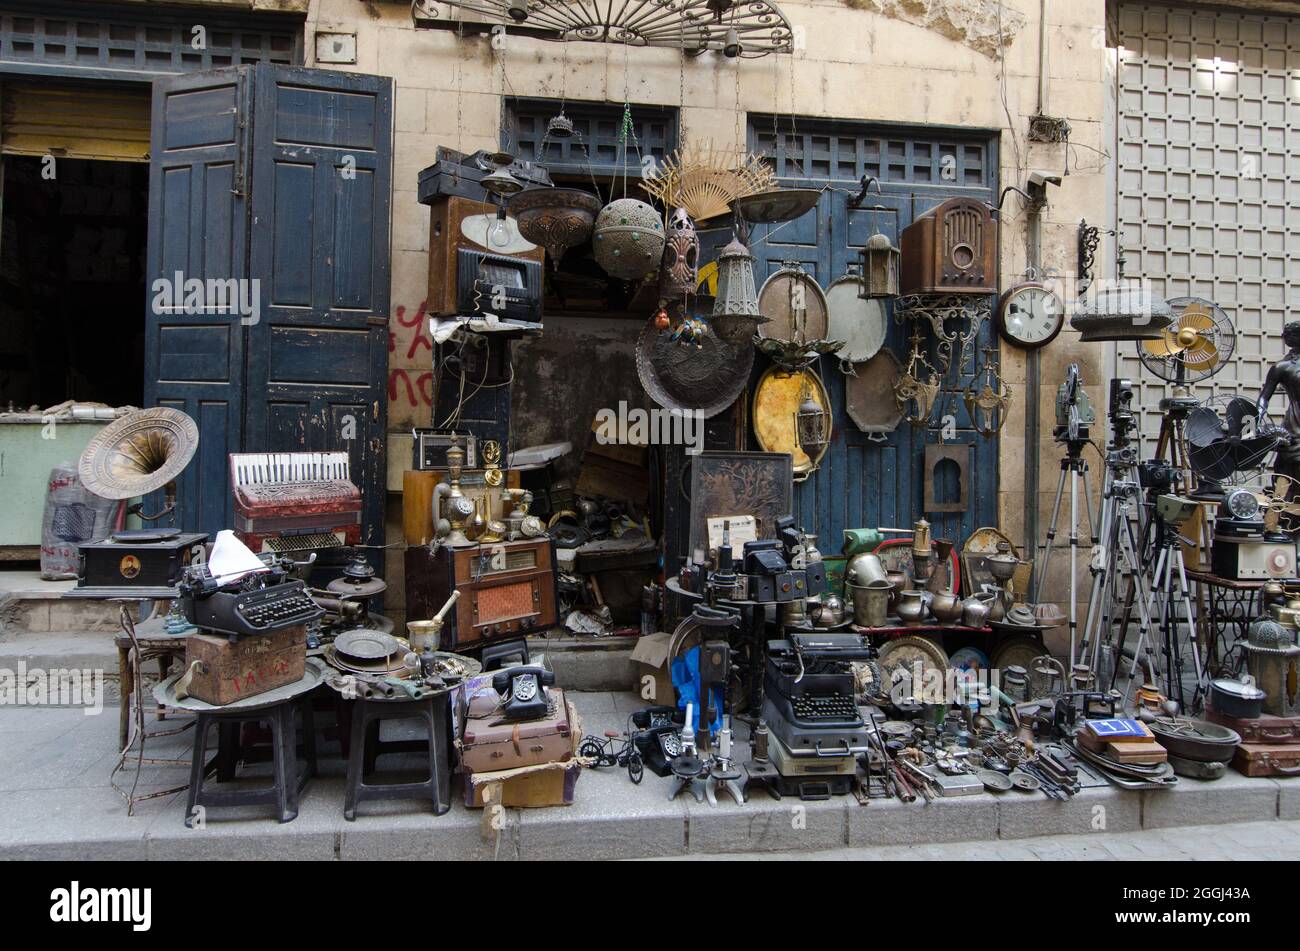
x,y
139,453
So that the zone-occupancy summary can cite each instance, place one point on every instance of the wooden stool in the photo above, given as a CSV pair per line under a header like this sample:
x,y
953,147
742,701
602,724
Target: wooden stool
x,y
366,747
287,783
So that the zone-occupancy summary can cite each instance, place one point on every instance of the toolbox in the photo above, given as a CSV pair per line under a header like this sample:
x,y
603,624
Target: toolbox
x,y
490,743
223,670
1265,729
1267,759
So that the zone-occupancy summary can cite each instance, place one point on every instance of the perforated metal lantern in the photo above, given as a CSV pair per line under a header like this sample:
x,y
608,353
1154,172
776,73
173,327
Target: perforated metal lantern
x,y
628,239
812,424
735,309
880,261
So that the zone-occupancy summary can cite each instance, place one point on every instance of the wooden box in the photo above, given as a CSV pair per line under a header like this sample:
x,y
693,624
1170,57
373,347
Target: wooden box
x,y
951,249
445,239
507,590
250,665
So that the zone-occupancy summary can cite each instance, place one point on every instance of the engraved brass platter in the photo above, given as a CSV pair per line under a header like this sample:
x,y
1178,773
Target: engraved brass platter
x,y
776,399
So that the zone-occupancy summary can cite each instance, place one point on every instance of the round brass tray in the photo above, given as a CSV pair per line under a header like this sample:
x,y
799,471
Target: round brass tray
x,y
776,399
778,300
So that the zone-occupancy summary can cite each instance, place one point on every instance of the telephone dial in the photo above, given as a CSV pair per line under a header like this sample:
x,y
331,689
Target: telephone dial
x,y
523,691
657,736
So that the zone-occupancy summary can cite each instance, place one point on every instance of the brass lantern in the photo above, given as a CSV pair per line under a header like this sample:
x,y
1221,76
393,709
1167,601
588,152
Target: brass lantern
x,y
879,268
735,309
812,424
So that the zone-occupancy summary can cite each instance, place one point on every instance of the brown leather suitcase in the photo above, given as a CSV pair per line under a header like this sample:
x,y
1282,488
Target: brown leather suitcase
x,y
489,744
1267,759
1265,729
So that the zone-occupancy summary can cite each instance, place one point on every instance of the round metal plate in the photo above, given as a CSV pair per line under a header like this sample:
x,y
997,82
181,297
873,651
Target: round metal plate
x,y
795,306
776,399
861,324
1024,781
682,377
993,780
907,651
363,645
1017,651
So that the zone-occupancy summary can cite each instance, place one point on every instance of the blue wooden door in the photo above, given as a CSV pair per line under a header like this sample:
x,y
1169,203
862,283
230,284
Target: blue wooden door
x,y
198,229
862,483
318,355
278,176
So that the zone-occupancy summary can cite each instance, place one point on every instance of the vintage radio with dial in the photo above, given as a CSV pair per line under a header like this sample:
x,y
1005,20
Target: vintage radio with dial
x,y
507,590
951,249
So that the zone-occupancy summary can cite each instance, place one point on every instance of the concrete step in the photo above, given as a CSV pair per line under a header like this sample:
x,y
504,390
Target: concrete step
x,y
42,611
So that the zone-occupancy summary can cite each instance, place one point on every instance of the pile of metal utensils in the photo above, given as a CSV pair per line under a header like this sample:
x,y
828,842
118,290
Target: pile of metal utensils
x,y
368,664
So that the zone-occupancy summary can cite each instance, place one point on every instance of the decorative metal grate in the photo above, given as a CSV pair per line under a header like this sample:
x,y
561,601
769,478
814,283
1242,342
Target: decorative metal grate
x,y
56,39
597,128
845,151
746,28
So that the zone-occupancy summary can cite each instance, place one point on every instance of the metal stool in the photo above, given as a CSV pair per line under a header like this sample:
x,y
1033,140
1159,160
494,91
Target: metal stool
x,y
287,783
366,748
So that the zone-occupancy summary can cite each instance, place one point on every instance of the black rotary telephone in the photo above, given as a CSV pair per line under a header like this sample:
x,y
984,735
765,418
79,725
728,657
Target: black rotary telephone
x,y
523,690
657,736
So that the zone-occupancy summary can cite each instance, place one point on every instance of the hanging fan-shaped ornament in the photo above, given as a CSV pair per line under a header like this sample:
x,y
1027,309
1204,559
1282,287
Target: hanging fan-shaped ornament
x,y
704,180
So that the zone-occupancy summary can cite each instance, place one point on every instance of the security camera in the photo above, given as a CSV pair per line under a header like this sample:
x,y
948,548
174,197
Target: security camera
x,y
1041,180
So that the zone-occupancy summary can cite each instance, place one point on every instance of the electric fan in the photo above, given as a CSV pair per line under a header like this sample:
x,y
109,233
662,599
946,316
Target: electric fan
x,y
1224,445
1195,346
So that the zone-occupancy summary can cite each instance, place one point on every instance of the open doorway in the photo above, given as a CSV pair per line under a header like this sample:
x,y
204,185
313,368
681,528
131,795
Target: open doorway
x,y
72,281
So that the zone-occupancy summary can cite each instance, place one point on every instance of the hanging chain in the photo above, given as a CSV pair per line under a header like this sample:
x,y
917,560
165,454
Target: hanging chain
x,y
460,99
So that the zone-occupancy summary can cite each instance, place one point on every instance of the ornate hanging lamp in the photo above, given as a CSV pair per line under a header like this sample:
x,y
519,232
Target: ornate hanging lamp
x,y
735,309
812,424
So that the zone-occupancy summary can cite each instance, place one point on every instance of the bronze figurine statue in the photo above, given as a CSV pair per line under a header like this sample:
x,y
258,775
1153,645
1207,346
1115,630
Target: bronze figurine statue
x,y
1286,374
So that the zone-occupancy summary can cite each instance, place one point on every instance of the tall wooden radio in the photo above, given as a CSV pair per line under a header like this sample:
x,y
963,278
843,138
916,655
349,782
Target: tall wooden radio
x,y
457,224
507,590
951,249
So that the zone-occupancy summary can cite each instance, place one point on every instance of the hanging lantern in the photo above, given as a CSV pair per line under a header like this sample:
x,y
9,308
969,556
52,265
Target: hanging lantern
x,y
811,424
628,240
679,267
735,309
879,268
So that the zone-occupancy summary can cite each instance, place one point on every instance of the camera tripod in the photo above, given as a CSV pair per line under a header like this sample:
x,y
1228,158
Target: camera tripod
x,y
1117,554
1170,568
1075,467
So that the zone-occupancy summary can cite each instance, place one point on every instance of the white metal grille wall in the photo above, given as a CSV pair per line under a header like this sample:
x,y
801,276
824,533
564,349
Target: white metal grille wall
x,y
1206,130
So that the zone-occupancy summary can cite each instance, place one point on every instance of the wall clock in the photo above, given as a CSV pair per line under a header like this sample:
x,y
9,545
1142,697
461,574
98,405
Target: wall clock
x,y
1030,316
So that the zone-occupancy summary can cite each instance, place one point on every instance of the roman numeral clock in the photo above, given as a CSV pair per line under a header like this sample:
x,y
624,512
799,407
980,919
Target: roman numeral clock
x,y
1030,315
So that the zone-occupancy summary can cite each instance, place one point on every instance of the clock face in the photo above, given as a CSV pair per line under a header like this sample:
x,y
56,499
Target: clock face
x,y
1031,315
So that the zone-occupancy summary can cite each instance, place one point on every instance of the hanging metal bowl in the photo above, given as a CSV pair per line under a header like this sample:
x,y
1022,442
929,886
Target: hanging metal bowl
x,y
708,378
556,218
777,205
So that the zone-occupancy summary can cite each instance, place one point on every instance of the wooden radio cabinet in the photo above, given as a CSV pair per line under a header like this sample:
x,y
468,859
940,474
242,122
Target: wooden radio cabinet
x,y
951,249
507,590
447,235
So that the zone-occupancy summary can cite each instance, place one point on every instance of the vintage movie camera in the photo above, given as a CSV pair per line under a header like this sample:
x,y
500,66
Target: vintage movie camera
x,y
1074,411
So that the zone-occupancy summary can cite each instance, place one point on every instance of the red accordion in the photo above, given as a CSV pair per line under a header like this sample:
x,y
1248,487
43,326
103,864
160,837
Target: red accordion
x,y
294,501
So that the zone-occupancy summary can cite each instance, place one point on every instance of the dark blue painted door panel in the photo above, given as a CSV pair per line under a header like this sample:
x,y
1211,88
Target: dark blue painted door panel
x,y
280,175
198,229
862,483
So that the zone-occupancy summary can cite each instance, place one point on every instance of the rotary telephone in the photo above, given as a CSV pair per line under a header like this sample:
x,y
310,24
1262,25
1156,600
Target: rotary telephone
x,y
658,737
523,691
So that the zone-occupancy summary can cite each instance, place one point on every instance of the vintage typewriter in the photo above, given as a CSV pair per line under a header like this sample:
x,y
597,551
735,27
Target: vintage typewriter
x,y
294,501
256,604
809,701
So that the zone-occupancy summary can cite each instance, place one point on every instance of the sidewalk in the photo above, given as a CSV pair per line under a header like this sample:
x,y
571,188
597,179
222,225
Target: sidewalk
x,y
56,802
